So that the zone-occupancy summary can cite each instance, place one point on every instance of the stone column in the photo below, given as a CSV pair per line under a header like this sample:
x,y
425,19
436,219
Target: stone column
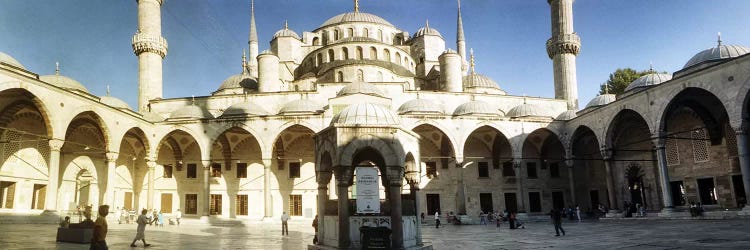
x,y
571,180
267,203
460,190
322,178
150,192
50,200
517,164
666,191
395,181
744,154
607,158
414,192
206,188
344,176
109,195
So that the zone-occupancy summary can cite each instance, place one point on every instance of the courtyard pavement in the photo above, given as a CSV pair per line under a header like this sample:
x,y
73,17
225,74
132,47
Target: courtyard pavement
x,y
643,234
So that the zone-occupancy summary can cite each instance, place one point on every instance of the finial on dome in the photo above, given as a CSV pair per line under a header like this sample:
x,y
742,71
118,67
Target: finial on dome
x,y
286,24
57,68
606,89
471,51
192,102
427,23
651,67
356,6
107,89
719,41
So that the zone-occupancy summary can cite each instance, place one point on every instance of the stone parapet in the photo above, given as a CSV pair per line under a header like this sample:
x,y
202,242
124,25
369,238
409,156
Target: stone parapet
x,y
563,44
149,43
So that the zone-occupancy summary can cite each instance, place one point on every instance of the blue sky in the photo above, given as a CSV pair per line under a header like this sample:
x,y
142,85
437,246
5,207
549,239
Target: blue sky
x,y
91,38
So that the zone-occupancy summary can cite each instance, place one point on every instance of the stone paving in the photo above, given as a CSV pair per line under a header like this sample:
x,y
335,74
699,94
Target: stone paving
x,y
643,234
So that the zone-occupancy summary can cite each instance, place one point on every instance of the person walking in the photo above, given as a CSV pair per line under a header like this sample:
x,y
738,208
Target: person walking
x,y
161,219
118,214
315,226
557,221
578,212
98,241
178,216
141,231
437,219
284,225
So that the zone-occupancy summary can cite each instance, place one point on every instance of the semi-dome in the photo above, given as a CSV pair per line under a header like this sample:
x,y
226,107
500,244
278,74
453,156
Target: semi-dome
x,y
10,60
114,102
63,82
301,106
648,80
365,114
601,100
421,106
526,110
244,109
475,108
717,53
360,87
566,115
190,112
355,17
239,81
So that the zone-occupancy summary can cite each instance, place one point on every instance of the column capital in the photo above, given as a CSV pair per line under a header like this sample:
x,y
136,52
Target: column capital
x,y
151,164
344,175
517,163
206,164
323,178
607,153
395,175
56,144
112,156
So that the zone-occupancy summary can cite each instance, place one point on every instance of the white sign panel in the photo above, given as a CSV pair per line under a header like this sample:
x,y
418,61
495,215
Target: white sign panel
x,y
368,195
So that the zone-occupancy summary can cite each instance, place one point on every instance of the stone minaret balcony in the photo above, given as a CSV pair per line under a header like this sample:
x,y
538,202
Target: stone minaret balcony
x,y
563,44
149,43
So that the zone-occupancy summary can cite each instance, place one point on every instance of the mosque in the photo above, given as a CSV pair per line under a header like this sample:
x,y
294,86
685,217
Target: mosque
x,y
286,132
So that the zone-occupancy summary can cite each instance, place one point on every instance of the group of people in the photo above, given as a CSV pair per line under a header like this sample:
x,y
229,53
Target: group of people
x,y
696,209
125,216
629,209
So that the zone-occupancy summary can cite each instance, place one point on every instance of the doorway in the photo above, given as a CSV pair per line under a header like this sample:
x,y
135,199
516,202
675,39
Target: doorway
x,y
594,196
485,202
166,203
739,190
535,202
215,205
558,200
7,194
433,203
511,202
678,193
295,205
37,199
128,201
707,191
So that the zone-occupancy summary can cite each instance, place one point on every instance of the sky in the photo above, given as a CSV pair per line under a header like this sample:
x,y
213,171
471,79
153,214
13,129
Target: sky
x,y
91,38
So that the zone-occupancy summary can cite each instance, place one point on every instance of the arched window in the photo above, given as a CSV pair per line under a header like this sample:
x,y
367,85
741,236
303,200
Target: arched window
x,y
340,76
318,60
345,54
330,55
350,32
316,41
380,76
366,32
373,53
387,55
380,35
336,35
360,75
359,53
398,58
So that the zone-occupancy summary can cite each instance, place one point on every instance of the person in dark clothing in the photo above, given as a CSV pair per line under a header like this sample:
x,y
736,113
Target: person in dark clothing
x,y
557,221
512,220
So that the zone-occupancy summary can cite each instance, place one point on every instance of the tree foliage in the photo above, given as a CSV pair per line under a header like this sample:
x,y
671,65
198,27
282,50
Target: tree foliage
x,y
620,79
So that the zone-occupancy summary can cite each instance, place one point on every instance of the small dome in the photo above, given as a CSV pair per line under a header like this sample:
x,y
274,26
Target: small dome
x,y
421,106
301,106
10,60
427,30
527,109
475,80
365,114
601,100
286,32
239,81
244,109
476,108
648,80
566,115
355,17
190,112
64,82
361,87
717,53
114,102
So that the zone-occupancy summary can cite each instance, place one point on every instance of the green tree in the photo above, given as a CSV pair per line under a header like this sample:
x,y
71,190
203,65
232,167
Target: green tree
x,y
620,79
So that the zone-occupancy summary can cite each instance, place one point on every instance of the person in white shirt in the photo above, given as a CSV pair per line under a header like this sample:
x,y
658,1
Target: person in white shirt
x,y
284,226
178,216
437,219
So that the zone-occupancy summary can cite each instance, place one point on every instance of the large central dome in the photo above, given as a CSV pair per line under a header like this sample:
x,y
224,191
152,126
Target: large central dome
x,y
355,17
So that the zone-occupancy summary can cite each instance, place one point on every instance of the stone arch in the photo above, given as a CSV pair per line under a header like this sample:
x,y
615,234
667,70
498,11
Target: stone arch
x,y
344,53
178,129
345,156
461,143
90,118
331,55
360,53
373,53
627,118
26,99
709,108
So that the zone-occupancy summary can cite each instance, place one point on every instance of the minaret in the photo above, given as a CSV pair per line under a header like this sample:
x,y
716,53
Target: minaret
x,y
252,43
563,48
151,48
461,42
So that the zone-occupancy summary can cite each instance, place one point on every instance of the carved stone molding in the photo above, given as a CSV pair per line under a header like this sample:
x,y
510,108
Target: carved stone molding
x,y
563,44
149,43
